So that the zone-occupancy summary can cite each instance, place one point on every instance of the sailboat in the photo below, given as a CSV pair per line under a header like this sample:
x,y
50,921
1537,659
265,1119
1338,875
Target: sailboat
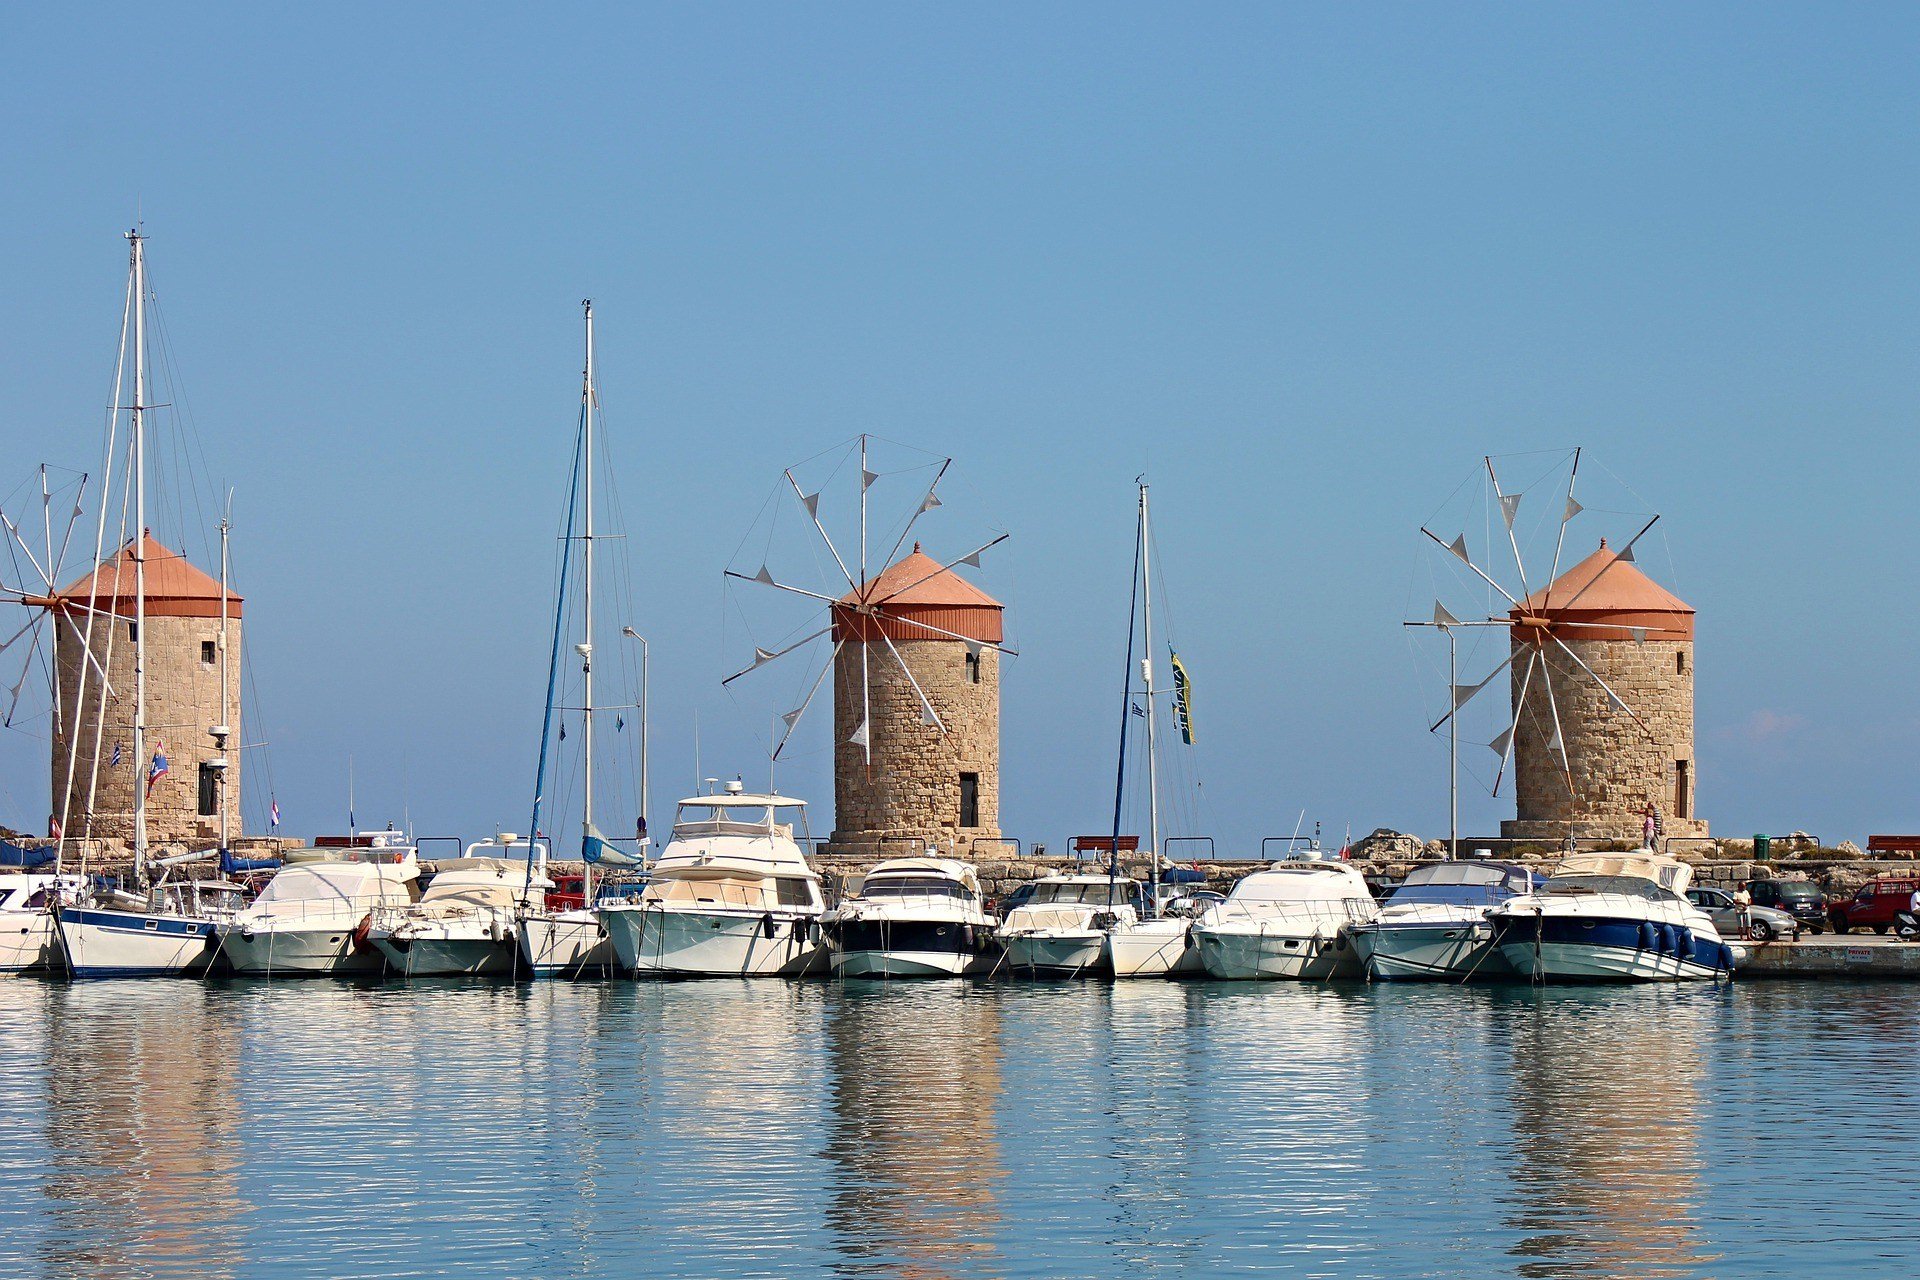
x,y
1152,945
171,930
571,942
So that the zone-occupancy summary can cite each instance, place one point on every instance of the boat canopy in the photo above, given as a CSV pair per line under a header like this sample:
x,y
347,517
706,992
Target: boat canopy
x,y
323,883
1669,873
1302,882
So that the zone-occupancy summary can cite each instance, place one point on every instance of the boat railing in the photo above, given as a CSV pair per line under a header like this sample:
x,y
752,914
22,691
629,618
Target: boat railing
x,y
1334,911
421,844
1170,841
1287,843
345,913
1019,850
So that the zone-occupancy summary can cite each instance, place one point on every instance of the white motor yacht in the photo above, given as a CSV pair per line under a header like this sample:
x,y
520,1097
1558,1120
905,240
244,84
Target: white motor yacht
x,y
172,932
315,916
1434,926
912,918
1613,917
467,920
29,940
1061,931
731,895
1288,921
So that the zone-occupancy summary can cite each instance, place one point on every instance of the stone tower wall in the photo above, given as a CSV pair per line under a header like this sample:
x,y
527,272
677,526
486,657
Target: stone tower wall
x,y
1617,765
183,702
911,792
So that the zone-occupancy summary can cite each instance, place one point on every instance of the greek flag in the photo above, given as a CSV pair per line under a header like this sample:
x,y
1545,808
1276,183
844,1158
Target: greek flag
x,y
115,762
1182,698
274,816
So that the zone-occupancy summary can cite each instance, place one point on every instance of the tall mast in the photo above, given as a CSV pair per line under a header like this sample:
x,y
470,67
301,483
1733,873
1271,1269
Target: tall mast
x,y
142,767
226,687
585,648
1146,670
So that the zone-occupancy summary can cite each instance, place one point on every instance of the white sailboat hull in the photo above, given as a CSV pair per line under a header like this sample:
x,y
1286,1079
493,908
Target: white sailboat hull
x,y
670,943
568,944
1152,949
101,943
1057,953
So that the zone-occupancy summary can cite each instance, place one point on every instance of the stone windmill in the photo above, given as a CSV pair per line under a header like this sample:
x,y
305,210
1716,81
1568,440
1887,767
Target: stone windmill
x,y
1599,667
914,650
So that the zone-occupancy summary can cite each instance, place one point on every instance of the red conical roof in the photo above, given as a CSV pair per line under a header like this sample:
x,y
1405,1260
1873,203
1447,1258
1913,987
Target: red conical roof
x,y
918,598
1611,598
175,588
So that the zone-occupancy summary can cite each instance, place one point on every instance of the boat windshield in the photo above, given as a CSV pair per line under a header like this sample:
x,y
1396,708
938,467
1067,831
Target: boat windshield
x,y
915,887
1091,895
1631,886
1461,884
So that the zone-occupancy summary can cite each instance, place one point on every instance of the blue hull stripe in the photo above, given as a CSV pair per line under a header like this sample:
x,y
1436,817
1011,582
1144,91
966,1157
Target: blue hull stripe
x,y
124,922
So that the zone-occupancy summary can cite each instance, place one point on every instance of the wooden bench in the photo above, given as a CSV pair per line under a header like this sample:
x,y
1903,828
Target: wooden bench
x,y
1893,844
1103,844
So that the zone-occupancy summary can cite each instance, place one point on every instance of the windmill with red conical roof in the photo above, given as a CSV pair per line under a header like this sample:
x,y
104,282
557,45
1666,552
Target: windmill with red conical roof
x,y
1599,667
914,651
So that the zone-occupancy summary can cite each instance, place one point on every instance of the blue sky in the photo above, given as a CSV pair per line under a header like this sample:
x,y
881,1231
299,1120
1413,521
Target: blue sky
x,y
1303,265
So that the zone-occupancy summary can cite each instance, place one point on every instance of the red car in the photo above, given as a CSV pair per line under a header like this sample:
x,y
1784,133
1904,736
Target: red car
x,y
1876,905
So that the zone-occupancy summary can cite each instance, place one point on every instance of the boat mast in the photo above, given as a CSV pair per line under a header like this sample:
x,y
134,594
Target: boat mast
x,y
585,647
226,697
1146,670
143,768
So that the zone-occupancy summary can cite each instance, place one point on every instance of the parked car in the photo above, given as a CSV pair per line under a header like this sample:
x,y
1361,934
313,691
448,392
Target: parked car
x,y
1875,905
1762,924
1800,899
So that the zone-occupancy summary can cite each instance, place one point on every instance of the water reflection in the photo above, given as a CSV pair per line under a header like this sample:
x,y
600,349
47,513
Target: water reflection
x,y
142,1131
916,1088
1605,1163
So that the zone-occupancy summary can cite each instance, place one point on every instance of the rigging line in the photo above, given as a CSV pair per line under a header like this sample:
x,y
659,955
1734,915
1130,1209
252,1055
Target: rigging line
x,y
1126,706
553,661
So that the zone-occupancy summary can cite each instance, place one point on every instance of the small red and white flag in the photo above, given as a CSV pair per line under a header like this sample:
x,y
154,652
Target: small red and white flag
x,y
274,816
53,826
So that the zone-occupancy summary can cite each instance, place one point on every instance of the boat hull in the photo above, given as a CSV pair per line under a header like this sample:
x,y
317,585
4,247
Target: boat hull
x,y
100,943
1153,949
1589,949
1250,955
891,948
28,942
1428,952
1057,953
649,941
303,952
449,956
570,944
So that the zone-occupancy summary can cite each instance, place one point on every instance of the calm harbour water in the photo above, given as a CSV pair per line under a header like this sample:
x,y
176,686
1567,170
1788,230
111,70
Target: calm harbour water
x,y
729,1128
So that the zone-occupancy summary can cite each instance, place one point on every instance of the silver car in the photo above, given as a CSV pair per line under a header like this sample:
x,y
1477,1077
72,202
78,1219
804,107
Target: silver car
x,y
1762,924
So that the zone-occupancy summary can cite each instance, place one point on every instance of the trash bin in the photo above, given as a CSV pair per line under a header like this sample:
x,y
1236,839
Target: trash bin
x,y
1762,848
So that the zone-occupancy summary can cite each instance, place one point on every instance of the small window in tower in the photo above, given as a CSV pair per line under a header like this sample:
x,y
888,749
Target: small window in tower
x,y
969,799
133,633
208,652
973,667
209,791
1682,790
1679,662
